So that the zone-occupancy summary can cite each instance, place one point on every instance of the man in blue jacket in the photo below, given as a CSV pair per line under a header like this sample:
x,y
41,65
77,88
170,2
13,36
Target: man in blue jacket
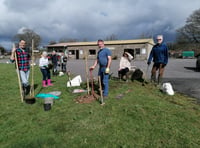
x,y
159,54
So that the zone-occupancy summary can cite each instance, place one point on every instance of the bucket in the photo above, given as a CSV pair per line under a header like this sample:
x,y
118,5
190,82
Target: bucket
x,y
47,107
48,100
29,100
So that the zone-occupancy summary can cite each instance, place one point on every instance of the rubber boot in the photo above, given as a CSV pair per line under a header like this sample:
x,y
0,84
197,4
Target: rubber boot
x,y
153,78
44,83
49,82
159,80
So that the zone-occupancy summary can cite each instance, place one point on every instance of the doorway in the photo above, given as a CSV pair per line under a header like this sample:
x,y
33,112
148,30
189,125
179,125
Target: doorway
x,y
77,54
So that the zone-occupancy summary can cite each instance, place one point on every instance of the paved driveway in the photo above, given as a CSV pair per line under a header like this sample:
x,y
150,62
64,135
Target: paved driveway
x,y
181,73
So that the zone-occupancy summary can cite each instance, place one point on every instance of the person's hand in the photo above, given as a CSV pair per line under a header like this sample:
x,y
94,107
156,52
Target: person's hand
x,y
91,68
107,70
45,66
13,50
148,63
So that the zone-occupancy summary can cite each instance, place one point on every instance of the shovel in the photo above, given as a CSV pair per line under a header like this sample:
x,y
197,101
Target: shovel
x,y
31,99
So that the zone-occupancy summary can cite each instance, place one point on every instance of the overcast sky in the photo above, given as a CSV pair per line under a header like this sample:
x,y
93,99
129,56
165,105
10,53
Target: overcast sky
x,y
93,19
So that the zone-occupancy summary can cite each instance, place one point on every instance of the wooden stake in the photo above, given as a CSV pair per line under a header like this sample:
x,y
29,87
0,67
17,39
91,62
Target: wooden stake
x,y
18,76
101,93
86,70
32,74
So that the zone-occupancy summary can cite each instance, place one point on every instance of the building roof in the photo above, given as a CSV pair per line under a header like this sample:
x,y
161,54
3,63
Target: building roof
x,y
115,42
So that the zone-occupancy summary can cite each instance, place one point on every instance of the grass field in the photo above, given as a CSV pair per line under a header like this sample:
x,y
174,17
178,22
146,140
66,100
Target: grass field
x,y
143,117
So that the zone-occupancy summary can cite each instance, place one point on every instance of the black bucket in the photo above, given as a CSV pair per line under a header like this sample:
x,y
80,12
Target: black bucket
x,y
29,100
47,107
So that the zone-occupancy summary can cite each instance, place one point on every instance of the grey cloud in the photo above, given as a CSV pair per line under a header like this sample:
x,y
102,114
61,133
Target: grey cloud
x,y
93,19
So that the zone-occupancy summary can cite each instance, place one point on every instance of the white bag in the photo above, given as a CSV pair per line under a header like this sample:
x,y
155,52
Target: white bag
x,y
75,81
167,88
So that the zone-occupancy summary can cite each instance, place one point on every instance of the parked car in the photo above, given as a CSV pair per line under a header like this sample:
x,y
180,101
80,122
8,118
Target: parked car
x,y
198,62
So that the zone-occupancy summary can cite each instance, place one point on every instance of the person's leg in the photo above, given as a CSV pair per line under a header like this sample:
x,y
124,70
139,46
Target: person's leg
x,y
153,72
161,72
24,77
54,68
64,67
126,70
120,74
105,84
49,78
48,74
44,75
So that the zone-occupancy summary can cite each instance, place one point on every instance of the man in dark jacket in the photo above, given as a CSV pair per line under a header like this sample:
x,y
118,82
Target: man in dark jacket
x,y
159,54
54,60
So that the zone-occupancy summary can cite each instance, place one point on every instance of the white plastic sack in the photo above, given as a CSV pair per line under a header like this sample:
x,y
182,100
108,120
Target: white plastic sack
x,y
61,73
76,81
167,88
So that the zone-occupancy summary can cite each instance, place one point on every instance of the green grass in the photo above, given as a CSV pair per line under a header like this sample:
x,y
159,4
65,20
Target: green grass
x,y
144,117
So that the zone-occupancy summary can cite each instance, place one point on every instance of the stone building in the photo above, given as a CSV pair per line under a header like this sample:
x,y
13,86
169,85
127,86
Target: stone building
x,y
139,48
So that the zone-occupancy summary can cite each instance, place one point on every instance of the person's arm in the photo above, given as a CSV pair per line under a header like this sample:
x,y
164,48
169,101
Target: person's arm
x,y
12,57
120,64
109,61
166,55
150,57
130,57
94,65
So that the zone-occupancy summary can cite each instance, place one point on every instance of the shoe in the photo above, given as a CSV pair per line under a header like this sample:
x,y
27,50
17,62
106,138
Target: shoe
x,y
26,89
44,83
49,82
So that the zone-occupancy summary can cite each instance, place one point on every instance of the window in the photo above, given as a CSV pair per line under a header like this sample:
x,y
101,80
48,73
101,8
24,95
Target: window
x,y
72,52
92,52
137,50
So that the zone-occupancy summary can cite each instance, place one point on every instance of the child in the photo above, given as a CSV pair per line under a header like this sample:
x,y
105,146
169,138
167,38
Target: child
x,y
43,64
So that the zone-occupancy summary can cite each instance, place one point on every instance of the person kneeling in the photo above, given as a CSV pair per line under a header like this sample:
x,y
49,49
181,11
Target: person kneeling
x,y
124,65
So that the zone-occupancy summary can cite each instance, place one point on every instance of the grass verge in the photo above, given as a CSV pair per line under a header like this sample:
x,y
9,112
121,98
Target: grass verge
x,y
142,117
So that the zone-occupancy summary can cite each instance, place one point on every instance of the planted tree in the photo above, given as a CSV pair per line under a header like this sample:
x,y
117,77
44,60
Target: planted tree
x,y
28,35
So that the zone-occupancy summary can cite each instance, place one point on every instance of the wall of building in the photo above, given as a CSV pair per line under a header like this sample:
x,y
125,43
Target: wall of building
x,y
140,51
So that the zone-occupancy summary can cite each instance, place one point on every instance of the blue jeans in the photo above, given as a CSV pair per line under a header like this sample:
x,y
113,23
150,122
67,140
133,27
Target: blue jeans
x,y
45,73
24,77
104,80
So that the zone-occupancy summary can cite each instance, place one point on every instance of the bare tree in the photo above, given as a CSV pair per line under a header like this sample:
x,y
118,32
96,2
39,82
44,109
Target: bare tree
x,y
2,50
112,37
64,40
190,32
28,35
52,42
145,35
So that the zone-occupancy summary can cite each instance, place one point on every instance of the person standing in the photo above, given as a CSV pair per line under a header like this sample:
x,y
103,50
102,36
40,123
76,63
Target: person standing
x,y
104,60
159,54
63,61
124,65
23,60
54,59
43,64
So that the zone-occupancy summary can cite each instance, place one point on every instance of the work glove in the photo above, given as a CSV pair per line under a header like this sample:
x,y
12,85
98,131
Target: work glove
x,y
107,70
148,63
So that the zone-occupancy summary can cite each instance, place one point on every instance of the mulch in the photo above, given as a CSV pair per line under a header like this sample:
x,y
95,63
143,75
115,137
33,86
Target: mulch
x,y
87,98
